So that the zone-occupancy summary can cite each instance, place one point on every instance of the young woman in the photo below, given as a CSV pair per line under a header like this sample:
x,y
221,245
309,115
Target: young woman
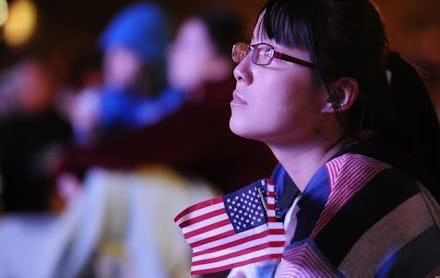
x,y
355,133
352,125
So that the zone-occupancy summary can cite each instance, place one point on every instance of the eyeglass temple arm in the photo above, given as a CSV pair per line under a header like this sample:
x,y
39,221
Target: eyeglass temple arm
x,y
293,59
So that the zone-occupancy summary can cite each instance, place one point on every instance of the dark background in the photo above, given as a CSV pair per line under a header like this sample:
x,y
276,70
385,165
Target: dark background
x,y
72,24
68,29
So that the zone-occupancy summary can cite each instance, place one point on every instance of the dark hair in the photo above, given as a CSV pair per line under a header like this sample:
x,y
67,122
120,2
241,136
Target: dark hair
x,y
224,28
346,38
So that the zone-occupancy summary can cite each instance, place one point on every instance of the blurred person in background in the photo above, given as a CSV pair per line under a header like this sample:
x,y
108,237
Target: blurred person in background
x,y
195,139
79,101
134,79
133,92
33,136
196,58
140,179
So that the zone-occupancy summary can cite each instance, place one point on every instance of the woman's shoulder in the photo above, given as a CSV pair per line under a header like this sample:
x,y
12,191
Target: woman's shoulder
x,y
372,210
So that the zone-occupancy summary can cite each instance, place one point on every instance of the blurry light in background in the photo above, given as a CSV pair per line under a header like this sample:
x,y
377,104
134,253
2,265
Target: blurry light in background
x,y
3,11
20,23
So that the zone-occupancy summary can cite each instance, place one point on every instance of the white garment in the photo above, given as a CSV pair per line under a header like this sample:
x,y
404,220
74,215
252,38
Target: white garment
x,y
31,246
134,210
139,207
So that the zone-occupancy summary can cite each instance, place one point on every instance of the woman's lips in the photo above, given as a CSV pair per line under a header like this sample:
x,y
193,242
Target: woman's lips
x,y
237,100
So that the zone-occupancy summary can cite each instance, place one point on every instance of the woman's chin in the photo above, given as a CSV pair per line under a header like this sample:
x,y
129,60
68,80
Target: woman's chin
x,y
241,130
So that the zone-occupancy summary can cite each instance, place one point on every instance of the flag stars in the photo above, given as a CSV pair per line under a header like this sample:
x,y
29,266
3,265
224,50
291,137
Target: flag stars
x,y
247,215
245,209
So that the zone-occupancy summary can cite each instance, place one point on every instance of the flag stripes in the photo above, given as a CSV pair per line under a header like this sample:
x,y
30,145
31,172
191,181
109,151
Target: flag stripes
x,y
234,230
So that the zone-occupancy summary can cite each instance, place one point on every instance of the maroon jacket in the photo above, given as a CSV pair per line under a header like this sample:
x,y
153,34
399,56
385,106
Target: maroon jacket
x,y
195,139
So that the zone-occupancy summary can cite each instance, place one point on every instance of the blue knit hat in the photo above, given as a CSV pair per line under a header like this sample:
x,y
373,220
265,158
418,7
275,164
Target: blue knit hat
x,y
141,27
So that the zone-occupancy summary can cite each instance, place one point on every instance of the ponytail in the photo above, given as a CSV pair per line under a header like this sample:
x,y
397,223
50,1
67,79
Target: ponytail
x,y
410,122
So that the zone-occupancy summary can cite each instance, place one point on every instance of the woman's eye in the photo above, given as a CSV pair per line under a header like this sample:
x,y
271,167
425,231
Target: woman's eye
x,y
267,52
264,52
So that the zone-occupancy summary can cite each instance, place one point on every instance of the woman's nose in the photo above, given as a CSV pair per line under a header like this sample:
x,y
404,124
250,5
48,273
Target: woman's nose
x,y
242,71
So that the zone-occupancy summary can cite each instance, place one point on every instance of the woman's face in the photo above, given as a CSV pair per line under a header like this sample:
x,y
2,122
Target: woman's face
x,y
279,103
121,67
189,55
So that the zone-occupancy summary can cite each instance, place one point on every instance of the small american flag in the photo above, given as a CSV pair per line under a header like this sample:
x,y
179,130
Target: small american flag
x,y
233,230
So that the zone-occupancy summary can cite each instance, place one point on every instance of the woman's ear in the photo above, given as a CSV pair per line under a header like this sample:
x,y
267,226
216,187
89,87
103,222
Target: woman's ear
x,y
346,90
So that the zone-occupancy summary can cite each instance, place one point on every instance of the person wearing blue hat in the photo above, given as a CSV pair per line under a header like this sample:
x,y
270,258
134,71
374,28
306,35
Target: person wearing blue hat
x,y
133,92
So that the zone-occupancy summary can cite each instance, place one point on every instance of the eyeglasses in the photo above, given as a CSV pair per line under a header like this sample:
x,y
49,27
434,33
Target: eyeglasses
x,y
262,54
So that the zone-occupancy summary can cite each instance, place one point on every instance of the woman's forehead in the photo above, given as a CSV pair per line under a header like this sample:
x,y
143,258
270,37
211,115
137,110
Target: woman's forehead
x,y
258,32
288,38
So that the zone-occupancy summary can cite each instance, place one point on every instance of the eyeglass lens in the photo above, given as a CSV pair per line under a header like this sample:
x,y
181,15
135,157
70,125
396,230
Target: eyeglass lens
x,y
261,54
239,51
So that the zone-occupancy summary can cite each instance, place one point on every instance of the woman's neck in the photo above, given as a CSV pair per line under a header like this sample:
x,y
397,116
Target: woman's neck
x,y
301,162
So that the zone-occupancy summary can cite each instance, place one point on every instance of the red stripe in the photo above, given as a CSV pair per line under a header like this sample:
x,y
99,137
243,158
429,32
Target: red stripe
x,y
237,264
240,252
202,217
318,266
356,175
333,169
232,243
198,206
228,234
271,219
276,231
303,260
207,228
213,238
271,206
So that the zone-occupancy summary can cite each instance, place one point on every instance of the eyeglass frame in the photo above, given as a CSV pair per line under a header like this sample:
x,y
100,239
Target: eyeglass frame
x,y
275,54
